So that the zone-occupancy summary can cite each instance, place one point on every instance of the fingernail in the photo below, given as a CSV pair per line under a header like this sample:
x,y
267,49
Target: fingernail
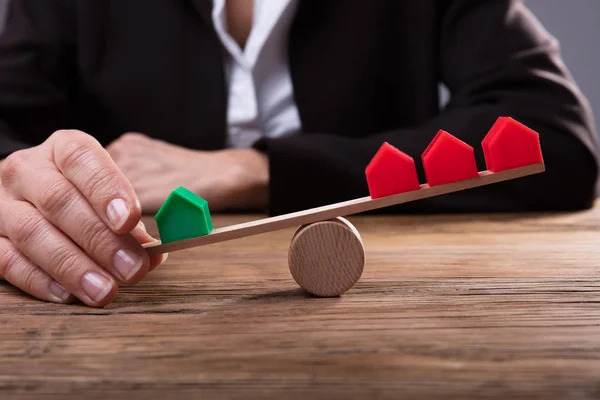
x,y
117,212
127,263
96,286
164,258
58,292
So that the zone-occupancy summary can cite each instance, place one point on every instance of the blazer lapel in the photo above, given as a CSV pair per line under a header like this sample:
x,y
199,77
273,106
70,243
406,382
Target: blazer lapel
x,y
205,93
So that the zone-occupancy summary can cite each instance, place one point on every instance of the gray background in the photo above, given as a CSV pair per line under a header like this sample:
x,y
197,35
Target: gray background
x,y
576,23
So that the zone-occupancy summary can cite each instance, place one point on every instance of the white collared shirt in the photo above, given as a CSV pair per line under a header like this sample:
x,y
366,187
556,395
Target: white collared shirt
x,y
261,97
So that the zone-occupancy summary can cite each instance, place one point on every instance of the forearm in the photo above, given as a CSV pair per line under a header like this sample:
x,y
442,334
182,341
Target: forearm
x,y
512,67
313,170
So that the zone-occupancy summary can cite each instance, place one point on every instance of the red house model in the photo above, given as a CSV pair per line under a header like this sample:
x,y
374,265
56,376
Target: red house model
x,y
391,172
448,159
510,144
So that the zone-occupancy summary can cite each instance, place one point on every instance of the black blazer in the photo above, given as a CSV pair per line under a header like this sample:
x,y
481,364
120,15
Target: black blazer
x,y
363,72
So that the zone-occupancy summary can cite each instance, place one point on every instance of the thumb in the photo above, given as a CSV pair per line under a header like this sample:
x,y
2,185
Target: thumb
x,y
143,237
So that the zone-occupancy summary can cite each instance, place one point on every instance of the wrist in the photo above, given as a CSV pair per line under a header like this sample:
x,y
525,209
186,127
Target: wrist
x,y
247,178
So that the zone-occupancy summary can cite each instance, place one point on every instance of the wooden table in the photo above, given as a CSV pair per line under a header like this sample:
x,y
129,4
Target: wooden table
x,y
448,306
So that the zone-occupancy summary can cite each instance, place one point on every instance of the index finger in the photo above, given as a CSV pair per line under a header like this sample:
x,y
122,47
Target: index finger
x,y
88,166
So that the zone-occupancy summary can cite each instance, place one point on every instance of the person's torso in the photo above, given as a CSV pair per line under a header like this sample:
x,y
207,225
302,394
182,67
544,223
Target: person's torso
x,y
157,67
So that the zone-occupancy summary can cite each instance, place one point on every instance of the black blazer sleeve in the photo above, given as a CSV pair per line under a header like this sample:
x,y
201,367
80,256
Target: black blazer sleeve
x,y
36,60
496,60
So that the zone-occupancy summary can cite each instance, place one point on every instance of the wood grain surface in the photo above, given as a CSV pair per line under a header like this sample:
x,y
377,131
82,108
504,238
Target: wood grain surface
x,y
476,306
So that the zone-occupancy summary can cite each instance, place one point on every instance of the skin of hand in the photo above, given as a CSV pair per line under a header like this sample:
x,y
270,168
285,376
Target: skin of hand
x,y
70,222
226,179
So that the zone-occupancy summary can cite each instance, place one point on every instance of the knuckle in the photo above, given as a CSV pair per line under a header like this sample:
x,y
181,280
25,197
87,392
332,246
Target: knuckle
x,y
59,135
132,137
94,236
11,166
113,147
63,262
65,135
55,196
103,181
128,165
14,268
27,279
27,226
75,153
9,261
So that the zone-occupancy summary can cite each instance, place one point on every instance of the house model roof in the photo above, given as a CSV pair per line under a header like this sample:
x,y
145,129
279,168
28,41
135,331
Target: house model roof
x,y
183,215
448,159
510,144
390,172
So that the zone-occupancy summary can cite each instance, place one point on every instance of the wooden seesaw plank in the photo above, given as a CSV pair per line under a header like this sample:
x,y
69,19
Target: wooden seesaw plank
x,y
340,209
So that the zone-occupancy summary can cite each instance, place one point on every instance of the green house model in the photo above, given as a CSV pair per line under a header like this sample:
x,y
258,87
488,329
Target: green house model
x,y
183,215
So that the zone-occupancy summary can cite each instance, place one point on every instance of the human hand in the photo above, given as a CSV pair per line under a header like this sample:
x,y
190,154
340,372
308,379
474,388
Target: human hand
x,y
69,222
227,179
